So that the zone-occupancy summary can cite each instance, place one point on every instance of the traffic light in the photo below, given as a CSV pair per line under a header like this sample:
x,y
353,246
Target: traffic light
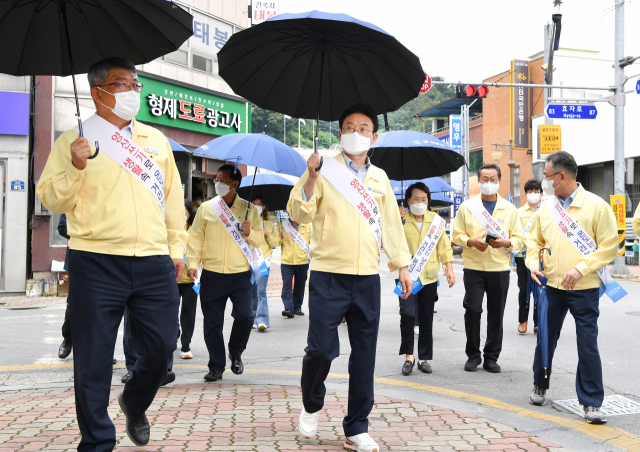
x,y
472,91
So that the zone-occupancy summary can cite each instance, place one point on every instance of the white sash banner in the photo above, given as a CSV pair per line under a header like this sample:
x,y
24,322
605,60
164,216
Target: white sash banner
x,y
296,236
127,154
527,227
426,248
356,194
234,228
585,244
486,220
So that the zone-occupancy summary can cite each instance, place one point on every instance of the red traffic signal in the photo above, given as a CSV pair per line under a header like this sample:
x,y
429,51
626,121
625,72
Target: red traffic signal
x,y
472,91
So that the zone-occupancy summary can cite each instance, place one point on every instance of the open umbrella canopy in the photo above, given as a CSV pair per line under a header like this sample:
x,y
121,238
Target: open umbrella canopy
x,y
255,149
435,185
273,189
406,154
138,30
292,61
177,147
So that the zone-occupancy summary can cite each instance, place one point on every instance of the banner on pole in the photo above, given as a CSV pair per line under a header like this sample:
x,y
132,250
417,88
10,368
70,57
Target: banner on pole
x,y
520,105
618,204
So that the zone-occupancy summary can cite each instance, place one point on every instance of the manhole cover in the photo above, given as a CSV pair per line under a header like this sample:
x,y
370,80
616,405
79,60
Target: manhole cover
x,y
636,313
614,405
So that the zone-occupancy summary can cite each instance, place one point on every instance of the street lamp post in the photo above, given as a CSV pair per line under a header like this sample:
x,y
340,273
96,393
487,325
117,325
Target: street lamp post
x,y
497,156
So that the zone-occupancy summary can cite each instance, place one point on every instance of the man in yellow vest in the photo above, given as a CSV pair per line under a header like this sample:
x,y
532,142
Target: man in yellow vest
x,y
486,226
125,214
533,191
573,282
353,210
221,239
294,264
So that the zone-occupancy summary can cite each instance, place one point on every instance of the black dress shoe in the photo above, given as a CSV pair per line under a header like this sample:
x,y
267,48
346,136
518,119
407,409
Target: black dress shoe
x,y
424,367
213,375
171,377
126,377
299,312
65,349
115,361
407,367
236,365
287,313
472,364
491,366
137,425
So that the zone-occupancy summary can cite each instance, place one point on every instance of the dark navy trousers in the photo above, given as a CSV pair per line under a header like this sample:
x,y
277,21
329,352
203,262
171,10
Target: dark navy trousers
x,y
215,290
333,296
101,287
584,307
293,298
128,345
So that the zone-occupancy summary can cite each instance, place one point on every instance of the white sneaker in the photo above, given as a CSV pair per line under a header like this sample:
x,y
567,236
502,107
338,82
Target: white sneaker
x,y
254,326
186,355
362,442
308,424
262,327
416,330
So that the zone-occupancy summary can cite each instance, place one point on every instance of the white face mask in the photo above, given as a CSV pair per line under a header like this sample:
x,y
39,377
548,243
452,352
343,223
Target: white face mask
x,y
354,143
259,209
186,217
222,189
127,104
533,198
418,208
547,186
489,188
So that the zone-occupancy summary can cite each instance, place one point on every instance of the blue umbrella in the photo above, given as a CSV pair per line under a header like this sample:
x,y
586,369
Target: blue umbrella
x,y
436,186
176,147
255,149
543,309
273,189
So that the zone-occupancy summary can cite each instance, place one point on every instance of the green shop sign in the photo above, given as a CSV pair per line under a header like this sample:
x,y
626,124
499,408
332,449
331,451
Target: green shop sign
x,y
176,106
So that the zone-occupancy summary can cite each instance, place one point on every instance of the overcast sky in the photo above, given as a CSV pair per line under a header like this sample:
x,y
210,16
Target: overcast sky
x,y
470,40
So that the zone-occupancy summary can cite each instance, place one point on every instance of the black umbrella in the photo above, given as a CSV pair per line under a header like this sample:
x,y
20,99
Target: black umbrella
x,y
272,188
318,64
64,37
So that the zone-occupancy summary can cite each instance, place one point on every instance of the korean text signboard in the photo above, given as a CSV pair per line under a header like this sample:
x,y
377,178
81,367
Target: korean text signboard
x,y
457,202
209,34
455,132
175,106
520,105
560,111
261,11
550,139
618,204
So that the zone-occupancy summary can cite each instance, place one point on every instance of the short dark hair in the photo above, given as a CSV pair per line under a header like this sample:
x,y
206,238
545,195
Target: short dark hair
x,y
362,109
531,185
231,169
99,71
563,161
490,166
418,186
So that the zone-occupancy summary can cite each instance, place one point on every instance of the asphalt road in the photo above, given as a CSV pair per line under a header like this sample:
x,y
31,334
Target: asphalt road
x,y
29,341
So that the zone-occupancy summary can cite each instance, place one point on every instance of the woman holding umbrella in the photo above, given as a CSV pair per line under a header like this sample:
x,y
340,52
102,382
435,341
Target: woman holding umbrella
x,y
427,241
270,240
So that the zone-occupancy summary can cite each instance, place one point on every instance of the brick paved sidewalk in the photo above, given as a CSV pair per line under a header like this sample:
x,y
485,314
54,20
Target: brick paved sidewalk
x,y
261,418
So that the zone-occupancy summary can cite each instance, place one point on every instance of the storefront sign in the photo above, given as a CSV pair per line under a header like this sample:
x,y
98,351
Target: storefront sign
x,y
209,34
455,132
520,105
185,108
550,139
261,11
457,202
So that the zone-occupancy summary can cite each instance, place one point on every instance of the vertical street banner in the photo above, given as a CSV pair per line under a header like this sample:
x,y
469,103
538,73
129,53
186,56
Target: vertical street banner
x,y
618,204
455,132
520,105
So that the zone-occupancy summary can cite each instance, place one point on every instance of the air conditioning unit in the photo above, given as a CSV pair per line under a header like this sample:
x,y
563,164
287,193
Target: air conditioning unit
x,y
40,210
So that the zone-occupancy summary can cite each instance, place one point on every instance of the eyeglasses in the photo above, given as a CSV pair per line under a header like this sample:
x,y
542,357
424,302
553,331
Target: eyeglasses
x,y
365,132
136,86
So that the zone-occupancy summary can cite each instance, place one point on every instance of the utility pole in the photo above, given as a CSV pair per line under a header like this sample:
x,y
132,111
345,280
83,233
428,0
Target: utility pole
x,y
618,102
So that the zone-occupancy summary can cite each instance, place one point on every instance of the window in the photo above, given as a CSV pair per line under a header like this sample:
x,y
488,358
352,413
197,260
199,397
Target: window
x,y
594,180
594,96
475,161
203,64
516,186
180,57
55,238
576,94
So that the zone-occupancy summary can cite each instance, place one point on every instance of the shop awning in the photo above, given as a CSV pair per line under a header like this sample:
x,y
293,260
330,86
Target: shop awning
x,y
450,107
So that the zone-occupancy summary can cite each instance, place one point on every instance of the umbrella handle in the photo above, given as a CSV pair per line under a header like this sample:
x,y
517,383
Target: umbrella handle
x,y
97,151
540,257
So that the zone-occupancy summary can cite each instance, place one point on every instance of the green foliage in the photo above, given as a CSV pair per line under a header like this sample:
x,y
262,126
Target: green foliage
x,y
402,119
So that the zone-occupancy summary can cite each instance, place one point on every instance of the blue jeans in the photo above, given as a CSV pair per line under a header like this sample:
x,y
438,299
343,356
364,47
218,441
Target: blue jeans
x,y
259,305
